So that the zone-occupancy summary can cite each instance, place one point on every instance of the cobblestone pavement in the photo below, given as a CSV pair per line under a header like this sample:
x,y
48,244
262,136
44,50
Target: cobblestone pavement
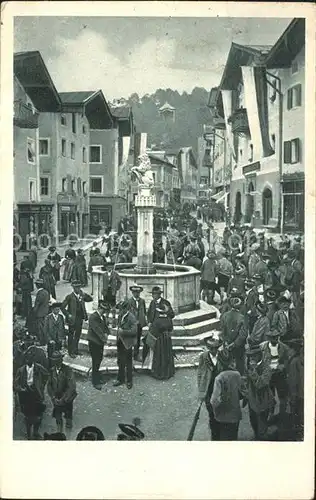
x,y
166,409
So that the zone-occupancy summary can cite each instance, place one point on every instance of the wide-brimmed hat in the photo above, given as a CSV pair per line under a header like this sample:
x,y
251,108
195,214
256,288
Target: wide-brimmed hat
x,y
136,288
56,356
56,304
212,340
273,333
39,281
52,248
257,277
262,308
270,294
156,289
76,283
240,268
235,301
132,432
90,433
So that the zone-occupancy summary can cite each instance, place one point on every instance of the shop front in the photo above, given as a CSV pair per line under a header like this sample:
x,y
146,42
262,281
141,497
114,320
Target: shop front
x,y
33,223
67,221
293,203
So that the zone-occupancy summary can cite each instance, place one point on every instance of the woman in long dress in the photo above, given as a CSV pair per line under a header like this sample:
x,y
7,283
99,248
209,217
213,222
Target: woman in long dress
x,y
158,339
70,256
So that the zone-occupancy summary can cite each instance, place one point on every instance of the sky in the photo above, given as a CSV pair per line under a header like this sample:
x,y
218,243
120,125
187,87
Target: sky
x,y
138,54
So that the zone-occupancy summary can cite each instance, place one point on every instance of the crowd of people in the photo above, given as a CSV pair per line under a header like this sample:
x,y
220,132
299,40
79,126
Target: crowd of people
x,y
256,283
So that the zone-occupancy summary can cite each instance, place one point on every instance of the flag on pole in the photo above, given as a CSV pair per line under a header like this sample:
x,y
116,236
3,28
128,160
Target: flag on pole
x,y
256,100
227,105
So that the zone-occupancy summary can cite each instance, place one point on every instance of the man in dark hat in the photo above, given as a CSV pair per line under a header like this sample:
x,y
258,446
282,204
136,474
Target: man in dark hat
x,y
259,395
98,332
111,285
138,308
251,299
277,356
285,320
26,286
208,277
61,388
234,333
261,327
55,326
270,297
126,340
40,311
29,384
74,309
225,399
209,367
238,279
55,259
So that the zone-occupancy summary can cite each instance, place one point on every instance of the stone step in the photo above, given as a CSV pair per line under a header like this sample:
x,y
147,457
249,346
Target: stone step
x,y
110,350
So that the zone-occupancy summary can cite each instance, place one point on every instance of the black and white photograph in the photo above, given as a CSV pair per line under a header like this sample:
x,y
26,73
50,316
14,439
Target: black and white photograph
x,y
159,228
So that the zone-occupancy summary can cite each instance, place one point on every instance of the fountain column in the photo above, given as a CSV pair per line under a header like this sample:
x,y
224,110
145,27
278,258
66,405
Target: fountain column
x,y
145,202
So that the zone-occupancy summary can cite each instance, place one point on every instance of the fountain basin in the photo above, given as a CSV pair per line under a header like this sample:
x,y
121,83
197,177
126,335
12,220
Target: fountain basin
x,y
180,284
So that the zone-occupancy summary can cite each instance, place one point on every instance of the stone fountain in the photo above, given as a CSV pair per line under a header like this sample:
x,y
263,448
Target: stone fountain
x,y
180,284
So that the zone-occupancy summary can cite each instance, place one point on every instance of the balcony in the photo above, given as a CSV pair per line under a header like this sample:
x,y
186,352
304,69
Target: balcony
x,y
24,117
239,122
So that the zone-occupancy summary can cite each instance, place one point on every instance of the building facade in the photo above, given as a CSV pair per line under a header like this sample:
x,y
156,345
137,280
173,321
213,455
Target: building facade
x,y
34,95
188,174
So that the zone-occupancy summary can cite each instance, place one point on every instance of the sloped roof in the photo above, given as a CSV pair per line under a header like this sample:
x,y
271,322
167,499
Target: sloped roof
x,y
288,45
32,73
159,159
166,106
120,112
76,97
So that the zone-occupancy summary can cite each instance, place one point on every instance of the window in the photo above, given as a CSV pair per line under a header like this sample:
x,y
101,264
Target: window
x,y
251,152
63,120
84,155
95,154
64,185
96,185
31,153
79,186
202,194
72,150
63,147
84,187
32,190
73,186
44,186
292,151
204,180
294,67
73,123
294,97
44,147
84,130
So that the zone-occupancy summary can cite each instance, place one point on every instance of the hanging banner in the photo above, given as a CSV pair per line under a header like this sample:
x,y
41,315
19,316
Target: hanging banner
x,y
257,108
227,105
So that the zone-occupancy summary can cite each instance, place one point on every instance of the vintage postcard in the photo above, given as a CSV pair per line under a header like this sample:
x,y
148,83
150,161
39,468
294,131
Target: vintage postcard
x,y
157,243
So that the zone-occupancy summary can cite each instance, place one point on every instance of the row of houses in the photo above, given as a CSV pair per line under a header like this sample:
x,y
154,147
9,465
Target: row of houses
x,y
72,153
254,149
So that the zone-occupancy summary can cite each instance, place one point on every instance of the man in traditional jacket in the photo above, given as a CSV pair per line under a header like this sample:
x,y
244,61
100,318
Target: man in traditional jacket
x,y
98,332
111,285
286,321
261,327
234,332
61,388
138,308
126,340
55,326
209,367
73,307
40,311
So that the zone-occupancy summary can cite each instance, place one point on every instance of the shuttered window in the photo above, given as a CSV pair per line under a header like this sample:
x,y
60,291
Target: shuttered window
x,y
292,151
294,96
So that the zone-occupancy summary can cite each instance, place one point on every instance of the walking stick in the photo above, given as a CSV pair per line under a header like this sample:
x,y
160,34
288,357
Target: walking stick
x,y
195,421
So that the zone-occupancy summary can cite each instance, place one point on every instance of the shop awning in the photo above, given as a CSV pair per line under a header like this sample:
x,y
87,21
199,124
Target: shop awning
x,y
218,196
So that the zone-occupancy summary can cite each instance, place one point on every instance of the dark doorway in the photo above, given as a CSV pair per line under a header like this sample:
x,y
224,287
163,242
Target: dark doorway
x,y
249,203
267,206
237,216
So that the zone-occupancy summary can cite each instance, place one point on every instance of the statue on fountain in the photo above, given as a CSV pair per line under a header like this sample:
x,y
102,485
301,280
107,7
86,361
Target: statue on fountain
x,y
143,172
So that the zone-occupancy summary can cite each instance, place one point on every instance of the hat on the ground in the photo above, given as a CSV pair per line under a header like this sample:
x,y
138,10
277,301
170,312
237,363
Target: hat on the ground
x,y
273,333
156,289
235,301
90,433
56,304
131,432
56,356
240,268
262,308
76,283
39,281
270,294
136,288
52,248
